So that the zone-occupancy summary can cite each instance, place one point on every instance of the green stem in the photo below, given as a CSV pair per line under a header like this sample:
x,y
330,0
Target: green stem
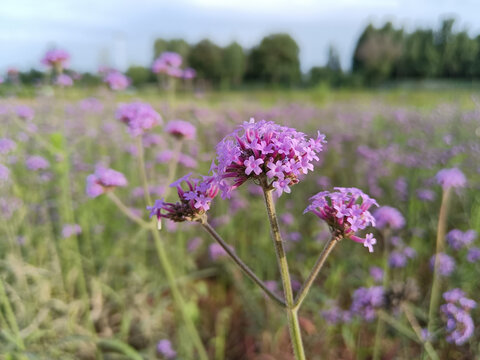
x,y
316,269
126,211
241,264
440,245
418,331
167,266
377,347
292,312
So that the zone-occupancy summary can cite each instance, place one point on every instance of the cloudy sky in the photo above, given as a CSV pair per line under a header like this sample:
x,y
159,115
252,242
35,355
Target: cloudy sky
x,y
121,32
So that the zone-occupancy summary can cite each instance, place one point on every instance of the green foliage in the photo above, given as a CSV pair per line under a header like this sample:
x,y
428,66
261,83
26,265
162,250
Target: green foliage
x,y
140,75
234,63
275,60
176,45
206,58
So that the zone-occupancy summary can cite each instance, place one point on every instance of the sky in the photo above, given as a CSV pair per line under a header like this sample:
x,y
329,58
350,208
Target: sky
x,y
121,33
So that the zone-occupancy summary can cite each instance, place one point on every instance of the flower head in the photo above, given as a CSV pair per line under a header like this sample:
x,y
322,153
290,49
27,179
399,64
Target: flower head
x,y
189,73
116,80
138,116
164,347
473,254
389,216
70,230
168,63
7,145
194,201
181,129
346,211
263,148
366,301
459,323
37,162
4,173
446,264
25,112
449,178
56,57
64,80
104,180
458,239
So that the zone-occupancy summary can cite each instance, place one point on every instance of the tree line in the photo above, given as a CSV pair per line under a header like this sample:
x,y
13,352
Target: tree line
x,y
381,54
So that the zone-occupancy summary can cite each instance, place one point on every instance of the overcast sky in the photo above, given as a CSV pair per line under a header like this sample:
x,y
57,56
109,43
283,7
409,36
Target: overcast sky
x,y
121,32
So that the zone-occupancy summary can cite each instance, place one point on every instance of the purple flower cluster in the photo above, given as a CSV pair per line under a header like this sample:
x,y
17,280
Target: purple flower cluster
x,y
25,112
387,216
138,116
7,145
104,180
376,273
446,264
169,63
346,212
116,80
56,57
71,230
335,315
458,239
164,348
473,254
181,129
451,178
460,326
37,162
366,301
193,202
64,80
264,148
4,173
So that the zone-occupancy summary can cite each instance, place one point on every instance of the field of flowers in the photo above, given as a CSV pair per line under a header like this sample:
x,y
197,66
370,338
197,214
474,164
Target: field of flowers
x,y
85,274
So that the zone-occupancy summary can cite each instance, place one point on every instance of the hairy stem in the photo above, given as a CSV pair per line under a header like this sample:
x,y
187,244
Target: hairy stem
x,y
440,245
292,312
241,264
418,331
316,269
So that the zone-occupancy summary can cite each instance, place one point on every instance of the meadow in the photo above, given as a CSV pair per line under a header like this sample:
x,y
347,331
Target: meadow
x,y
88,277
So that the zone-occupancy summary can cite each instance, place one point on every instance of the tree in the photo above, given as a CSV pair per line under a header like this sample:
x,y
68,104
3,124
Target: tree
x,y
206,58
333,62
234,63
139,75
275,60
179,46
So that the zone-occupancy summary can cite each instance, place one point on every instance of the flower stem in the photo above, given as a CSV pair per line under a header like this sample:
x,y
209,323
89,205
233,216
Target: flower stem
x,y
418,331
292,312
440,245
240,263
316,269
126,211
10,316
180,304
377,347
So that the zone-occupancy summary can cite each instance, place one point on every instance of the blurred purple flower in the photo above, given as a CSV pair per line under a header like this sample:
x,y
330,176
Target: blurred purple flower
x,y
25,112
366,301
376,273
473,254
194,244
458,239
7,145
181,129
64,80
56,57
71,230
4,173
216,251
37,162
446,264
164,348
387,216
138,116
116,80
103,180
449,178
425,194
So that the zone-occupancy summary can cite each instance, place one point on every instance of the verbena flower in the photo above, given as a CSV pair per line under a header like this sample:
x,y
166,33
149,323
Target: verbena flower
x,y
70,230
56,57
164,348
167,63
346,211
104,180
425,194
138,116
4,173
264,148
366,301
194,201
473,254
37,162
397,259
387,216
446,264
64,80
181,129
24,112
459,323
116,80
335,315
376,273
7,145
189,73
458,239
451,178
